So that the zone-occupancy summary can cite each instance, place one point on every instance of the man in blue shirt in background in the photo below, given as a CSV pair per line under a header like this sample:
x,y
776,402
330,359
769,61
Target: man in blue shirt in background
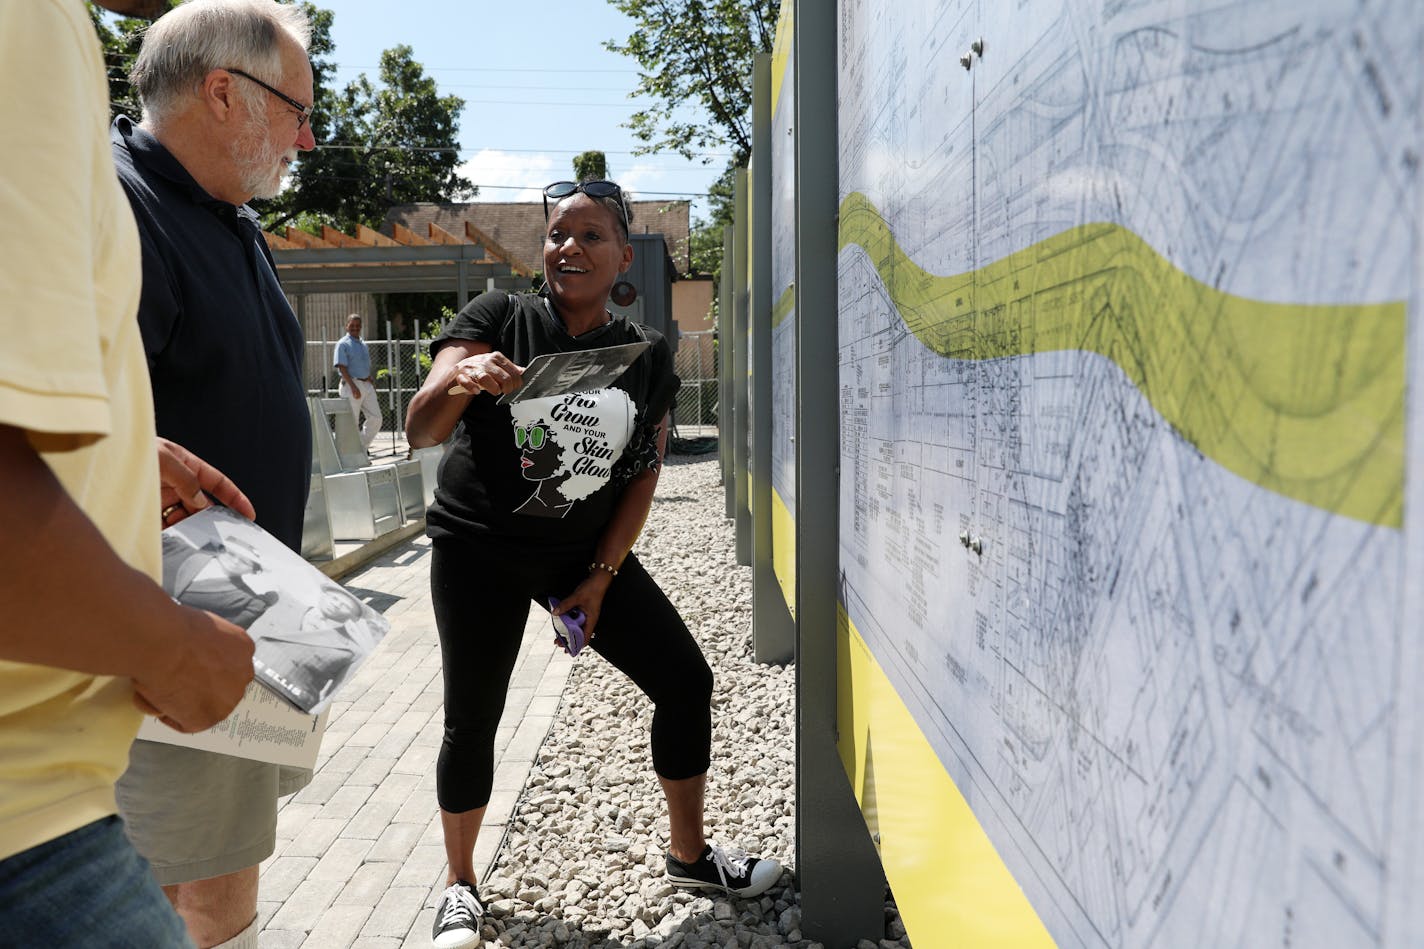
x,y
353,361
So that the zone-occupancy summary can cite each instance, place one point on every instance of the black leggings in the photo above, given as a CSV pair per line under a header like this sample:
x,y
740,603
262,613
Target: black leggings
x,y
481,596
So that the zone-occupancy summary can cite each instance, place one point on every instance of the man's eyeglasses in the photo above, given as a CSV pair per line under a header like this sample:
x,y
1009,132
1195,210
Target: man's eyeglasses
x,y
533,436
594,189
304,112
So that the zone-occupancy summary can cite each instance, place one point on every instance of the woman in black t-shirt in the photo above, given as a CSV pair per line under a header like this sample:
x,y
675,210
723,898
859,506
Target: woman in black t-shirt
x,y
544,498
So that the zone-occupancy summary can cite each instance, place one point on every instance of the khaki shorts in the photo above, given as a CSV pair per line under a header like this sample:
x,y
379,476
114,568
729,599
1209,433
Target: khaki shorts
x,y
195,814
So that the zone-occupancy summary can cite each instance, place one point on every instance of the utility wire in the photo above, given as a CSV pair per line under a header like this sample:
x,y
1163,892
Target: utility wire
x,y
522,151
499,69
637,195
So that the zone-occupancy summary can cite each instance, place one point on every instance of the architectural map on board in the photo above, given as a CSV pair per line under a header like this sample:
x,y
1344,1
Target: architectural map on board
x,y
783,291
1123,317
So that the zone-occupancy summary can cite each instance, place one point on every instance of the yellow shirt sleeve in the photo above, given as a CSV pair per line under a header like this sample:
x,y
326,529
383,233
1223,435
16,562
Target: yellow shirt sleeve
x,y
51,358
74,377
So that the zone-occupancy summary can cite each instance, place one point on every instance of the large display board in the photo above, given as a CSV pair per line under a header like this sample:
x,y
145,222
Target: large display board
x,y
1123,317
783,311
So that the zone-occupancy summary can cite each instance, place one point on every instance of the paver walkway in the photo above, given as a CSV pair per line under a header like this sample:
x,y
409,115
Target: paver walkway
x,y
359,852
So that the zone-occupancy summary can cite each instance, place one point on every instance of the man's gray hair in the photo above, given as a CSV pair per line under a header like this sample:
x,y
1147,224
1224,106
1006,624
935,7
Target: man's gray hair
x,y
196,37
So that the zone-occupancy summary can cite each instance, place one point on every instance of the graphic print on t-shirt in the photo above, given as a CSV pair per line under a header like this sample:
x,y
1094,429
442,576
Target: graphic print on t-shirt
x,y
568,444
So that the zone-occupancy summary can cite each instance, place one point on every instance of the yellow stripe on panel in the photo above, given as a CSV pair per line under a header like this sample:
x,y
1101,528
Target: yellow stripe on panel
x,y
783,549
950,884
781,52
751,314
1304,400
784,304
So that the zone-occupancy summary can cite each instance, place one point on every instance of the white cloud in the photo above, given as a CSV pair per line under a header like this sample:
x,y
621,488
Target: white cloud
x,y
507,176
642,176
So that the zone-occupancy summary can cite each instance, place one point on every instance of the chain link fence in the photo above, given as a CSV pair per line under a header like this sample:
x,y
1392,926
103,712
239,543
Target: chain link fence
x,y
399,370
696,363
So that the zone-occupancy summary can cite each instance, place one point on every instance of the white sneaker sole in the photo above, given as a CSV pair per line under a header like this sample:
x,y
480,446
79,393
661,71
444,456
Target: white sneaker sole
x,y
456,940
759,884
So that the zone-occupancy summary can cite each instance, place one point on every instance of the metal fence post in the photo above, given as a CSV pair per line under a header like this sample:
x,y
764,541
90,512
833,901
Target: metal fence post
x,y
415,332
742,434
726,410
842,884
704,342
392,371
773,633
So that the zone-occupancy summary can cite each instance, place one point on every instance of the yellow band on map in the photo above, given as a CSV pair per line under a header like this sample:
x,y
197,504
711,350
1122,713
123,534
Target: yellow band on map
x,y
1304,400
951,886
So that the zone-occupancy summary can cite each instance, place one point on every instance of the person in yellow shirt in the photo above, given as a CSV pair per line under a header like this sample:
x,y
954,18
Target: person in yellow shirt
x,y
88,640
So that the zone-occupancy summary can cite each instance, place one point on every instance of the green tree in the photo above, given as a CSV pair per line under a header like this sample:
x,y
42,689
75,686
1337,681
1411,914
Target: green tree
x,y
696,51
591,166
122,36
120,39
706,237
393,144
376,146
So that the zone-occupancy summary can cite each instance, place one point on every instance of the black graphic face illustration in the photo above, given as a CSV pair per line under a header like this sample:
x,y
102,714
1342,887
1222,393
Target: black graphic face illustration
x,y
540,457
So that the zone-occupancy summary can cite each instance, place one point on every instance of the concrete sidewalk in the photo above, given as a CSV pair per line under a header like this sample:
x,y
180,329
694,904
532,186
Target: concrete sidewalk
x,y
359,855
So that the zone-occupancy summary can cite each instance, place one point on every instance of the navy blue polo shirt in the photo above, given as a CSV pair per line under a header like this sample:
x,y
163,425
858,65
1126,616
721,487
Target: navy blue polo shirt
x,y
224,347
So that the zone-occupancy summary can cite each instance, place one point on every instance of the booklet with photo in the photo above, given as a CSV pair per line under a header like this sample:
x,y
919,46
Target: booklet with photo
x,y
584,370
263,727
310,633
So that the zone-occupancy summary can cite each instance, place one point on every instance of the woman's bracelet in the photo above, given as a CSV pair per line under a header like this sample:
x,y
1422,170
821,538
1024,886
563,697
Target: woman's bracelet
x,y
600,565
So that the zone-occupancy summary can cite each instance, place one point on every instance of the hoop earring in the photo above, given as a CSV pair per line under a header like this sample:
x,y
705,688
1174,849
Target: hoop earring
x,y
623,293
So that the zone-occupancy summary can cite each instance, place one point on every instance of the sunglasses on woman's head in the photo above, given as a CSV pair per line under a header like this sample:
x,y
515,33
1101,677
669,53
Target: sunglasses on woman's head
x,y
594,189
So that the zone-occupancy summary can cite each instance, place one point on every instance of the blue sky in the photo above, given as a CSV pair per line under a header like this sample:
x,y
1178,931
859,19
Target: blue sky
x,y
539,87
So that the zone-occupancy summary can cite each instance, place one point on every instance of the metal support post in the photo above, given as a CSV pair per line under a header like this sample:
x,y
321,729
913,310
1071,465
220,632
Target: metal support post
x,y
741,437
299,302
773,633
726,423
392,376
323,362
842,883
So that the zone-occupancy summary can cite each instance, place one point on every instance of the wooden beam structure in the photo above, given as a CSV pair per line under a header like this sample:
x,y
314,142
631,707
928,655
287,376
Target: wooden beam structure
x,y
497,251
404,262
373,237
405,235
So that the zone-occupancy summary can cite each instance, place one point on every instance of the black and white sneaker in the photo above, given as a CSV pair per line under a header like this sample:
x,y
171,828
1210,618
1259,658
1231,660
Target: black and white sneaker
x,y
457,918
730,871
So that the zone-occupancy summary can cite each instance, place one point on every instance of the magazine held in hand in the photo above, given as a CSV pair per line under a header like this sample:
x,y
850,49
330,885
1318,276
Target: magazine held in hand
x,y
310,633
580,370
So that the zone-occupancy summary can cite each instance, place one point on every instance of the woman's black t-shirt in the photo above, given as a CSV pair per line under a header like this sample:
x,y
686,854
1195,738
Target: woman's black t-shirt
x,y
547,472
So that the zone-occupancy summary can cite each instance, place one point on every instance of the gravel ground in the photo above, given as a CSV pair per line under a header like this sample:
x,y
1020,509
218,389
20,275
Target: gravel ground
x,y
582,864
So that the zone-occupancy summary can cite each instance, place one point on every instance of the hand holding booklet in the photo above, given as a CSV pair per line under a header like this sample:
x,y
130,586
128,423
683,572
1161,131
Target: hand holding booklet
x,y
310,633
580,370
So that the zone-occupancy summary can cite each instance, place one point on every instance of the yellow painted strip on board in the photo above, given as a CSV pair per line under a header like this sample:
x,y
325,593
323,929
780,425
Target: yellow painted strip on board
x,y
950,884
783,549
1304,400
784,305
781,52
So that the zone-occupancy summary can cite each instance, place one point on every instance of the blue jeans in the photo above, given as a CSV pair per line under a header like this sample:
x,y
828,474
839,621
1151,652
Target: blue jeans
x,y
87,888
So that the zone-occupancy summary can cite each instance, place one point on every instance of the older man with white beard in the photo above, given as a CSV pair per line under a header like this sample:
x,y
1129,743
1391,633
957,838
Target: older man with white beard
x,y
226,89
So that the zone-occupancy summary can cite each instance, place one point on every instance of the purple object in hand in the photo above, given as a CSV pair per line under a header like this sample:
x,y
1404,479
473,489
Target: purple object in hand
x,y
569,628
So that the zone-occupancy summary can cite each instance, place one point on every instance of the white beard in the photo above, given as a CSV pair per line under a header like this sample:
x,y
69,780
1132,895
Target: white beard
x,y
259,162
